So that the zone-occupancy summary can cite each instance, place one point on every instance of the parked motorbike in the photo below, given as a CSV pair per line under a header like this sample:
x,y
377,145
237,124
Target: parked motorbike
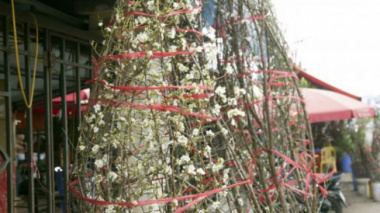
x,y
333,202
335,198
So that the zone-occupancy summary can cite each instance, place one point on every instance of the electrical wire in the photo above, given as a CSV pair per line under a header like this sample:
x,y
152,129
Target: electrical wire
x,y
30,103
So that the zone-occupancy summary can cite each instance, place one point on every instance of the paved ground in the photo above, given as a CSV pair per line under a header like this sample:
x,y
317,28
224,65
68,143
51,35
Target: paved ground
x,y
360,204
357,203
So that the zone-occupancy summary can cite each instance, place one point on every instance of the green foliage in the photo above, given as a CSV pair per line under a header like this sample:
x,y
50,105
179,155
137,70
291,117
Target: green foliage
x,y
304,83
376,142
345,145
364,155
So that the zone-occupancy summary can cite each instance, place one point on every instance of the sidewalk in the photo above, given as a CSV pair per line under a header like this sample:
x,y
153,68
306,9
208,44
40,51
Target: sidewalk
x,y
359,204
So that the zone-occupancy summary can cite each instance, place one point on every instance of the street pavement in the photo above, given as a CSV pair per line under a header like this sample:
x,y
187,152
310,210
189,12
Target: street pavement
x,y
359,204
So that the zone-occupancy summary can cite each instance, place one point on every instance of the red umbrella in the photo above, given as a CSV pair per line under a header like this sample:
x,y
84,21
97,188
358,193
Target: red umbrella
x,y
324,105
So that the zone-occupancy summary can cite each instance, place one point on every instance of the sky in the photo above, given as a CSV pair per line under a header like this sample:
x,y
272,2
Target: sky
x,y
337,41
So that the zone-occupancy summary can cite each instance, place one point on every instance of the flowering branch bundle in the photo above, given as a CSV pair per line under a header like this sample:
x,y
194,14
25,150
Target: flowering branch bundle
x,y
255,70
188,117
149,132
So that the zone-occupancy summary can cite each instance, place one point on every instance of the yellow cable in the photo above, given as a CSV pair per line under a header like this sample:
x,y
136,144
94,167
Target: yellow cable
x,y
29,105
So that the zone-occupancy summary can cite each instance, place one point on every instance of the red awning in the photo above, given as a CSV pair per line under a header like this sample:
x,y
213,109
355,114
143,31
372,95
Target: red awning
x,y
72,97
324,105
321,84
71,100
321,105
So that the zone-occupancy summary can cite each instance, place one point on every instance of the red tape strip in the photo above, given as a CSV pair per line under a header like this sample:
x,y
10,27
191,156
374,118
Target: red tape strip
x,y
177,12
143,88
145,54
197,197
154,107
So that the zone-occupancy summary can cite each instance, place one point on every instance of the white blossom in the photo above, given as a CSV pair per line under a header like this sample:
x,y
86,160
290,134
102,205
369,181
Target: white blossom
x,y
118,125
182,140
165,145
233,122
188,4
182,67
142,19
215,204
114,143
100,23
173,48
224,131
210,133
201,171
169,66
119,17
242,91
91,118
225,175
105,158
207,151
232,101
172,33
96,108
216,168
184,159
181,127
211,50
95,149
189,76
99,163
216,109
196,48
183,43
142,37
220,91
175,102
168,170
224,192
229,69
81,147
191,169
150,5
235,112
209,32
110,209
195,132
112,175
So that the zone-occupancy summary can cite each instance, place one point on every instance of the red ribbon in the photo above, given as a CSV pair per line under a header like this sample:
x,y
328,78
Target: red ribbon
x,y
96,66
177,12
154,107
145,54
255,17
234,60
197,197
144,88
